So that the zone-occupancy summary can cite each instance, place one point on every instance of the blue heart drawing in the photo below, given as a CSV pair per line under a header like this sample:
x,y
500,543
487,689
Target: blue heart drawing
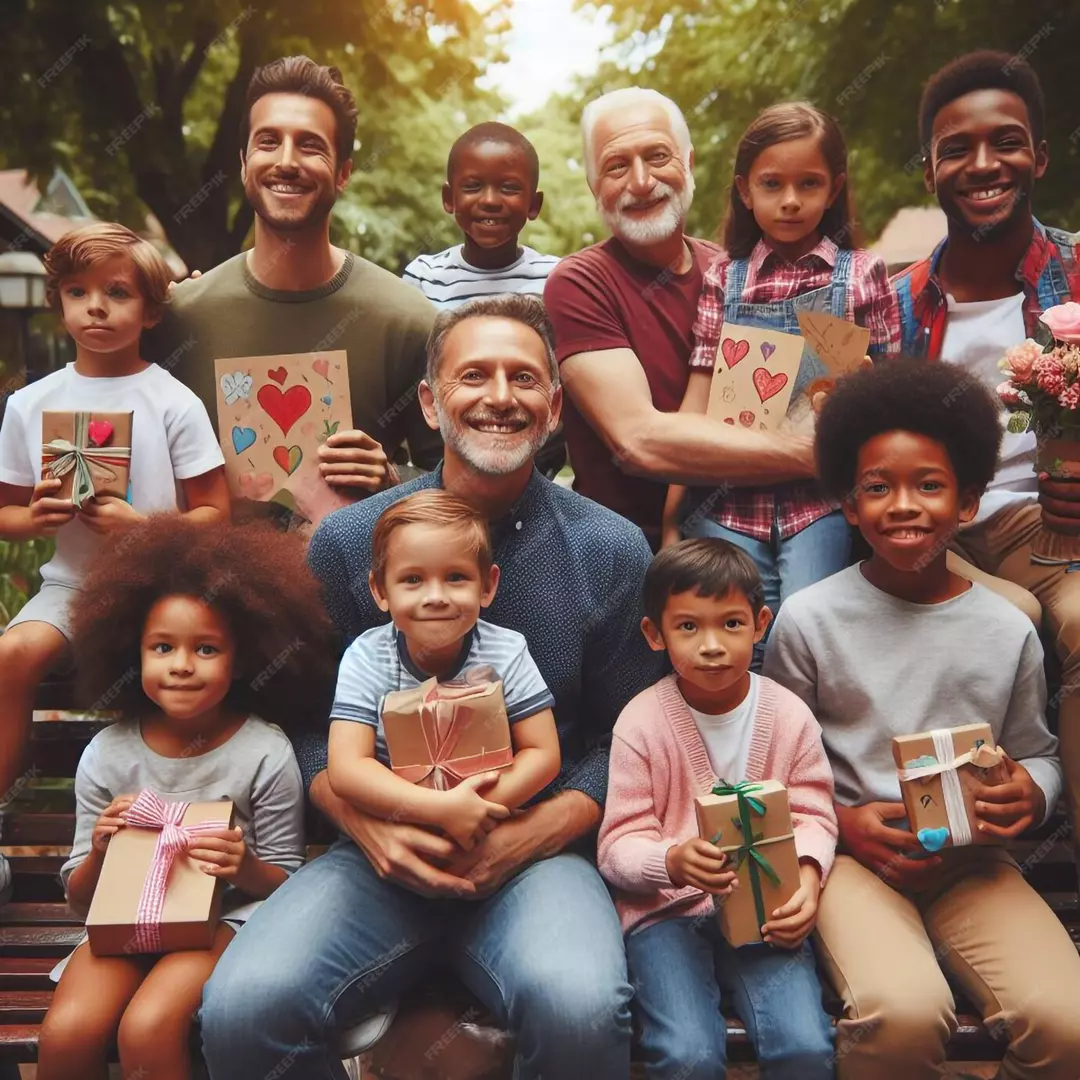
x,y
326,399
933,839
242,438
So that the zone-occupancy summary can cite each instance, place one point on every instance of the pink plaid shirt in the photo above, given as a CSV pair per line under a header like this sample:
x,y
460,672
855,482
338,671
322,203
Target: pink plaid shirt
x,y
870,302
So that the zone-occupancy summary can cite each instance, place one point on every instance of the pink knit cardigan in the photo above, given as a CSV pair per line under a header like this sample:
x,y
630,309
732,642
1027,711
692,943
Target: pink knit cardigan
x,y
659,764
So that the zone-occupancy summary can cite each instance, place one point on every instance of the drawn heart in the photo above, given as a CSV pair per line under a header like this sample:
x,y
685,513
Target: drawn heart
x,y
242,438
766,384
288,458
326,399
933,839
279,375
235,385
255,486
733,350
321,367
746,418
284,408
767,349
729,420
99,432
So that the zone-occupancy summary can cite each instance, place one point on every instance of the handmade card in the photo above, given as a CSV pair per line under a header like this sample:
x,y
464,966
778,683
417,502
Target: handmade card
x,y
840,345
274,412
754,376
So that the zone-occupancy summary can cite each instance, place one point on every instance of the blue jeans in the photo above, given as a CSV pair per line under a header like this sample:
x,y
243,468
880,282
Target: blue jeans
x,y
336,942
679,967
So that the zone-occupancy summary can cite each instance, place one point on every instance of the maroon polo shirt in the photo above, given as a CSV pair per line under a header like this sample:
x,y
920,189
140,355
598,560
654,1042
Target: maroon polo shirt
x,y
603,298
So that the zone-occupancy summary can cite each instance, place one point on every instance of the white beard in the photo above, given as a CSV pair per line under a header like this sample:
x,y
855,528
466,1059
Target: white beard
x,y
664,222
475,448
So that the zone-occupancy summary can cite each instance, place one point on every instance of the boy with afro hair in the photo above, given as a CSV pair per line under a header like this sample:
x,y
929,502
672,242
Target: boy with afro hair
x,y
900,644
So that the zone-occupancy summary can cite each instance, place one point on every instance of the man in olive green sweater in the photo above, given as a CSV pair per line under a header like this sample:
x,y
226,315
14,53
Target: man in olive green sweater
x,y
294,292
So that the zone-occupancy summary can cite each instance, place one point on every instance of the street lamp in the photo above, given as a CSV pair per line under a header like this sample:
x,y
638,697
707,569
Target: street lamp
x,y
22,295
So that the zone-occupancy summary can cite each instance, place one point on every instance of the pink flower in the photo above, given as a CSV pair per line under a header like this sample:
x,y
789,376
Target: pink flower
x,y
1063,322
1020,360
1050,374
1069,398
1009,395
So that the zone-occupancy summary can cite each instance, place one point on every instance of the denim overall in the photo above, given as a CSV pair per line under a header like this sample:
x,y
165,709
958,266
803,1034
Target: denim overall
x,y
823,548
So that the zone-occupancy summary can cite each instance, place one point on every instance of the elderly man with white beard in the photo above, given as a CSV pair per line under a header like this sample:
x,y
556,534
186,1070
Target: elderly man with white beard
x,y
624,312
524,918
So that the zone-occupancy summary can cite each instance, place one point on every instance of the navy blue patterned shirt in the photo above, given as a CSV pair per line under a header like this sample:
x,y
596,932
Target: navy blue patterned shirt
x,y
572,574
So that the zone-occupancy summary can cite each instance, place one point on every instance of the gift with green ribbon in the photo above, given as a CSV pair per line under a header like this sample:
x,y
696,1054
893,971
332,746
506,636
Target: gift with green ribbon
x,y
751,823
89,453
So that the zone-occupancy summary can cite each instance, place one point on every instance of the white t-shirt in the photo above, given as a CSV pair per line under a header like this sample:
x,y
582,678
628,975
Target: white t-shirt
x,y
171,439
976,338
727,736
448,281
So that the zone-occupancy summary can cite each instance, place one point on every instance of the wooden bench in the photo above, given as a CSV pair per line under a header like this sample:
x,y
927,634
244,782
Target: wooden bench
x,y
441,1033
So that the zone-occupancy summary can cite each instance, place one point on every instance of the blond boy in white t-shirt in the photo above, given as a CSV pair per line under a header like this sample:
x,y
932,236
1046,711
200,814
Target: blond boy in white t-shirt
x,y
109,286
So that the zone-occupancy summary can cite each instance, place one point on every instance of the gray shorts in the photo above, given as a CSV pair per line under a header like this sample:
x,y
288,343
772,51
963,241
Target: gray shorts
x,y
50,605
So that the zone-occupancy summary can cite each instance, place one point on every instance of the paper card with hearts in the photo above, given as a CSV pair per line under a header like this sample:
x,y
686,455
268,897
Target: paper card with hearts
x,y
274,412
754,376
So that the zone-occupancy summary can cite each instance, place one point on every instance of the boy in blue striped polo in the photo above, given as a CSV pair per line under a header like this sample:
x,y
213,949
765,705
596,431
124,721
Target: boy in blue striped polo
x,y
432,570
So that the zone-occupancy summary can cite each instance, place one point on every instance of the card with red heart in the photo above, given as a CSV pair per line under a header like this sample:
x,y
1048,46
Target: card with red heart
x,y
274,412
754,376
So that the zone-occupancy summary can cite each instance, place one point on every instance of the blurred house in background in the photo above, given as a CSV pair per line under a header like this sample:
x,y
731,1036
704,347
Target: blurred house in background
x,y
911,235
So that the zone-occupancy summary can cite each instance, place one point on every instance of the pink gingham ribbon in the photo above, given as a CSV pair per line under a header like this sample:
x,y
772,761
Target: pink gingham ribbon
x,y
150,811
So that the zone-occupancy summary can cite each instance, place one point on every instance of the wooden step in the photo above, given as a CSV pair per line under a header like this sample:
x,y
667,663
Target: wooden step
x,y
49,941
26,972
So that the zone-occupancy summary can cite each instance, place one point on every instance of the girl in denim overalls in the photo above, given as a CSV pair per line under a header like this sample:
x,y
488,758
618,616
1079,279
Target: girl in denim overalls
x,y
789,240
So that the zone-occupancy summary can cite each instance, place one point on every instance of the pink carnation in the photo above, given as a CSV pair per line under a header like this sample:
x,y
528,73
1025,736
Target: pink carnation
x,y
1020,360
1063,322
1069,398
1009,395
1050,375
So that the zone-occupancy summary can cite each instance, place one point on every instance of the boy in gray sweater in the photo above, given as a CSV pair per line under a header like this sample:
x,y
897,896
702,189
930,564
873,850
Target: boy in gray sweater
x,y
898,645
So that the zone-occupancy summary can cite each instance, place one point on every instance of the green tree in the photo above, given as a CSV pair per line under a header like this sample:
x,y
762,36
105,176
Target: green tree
x,y
141,100
20,577
862,60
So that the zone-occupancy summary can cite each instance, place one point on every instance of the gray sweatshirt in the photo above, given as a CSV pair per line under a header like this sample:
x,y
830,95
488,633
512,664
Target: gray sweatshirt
x,y
256,769
871,666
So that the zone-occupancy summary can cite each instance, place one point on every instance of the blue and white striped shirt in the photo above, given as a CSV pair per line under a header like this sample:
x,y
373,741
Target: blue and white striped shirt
x,y
448,281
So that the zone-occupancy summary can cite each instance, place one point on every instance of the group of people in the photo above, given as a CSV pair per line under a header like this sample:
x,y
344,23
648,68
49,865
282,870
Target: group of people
x,y
569,890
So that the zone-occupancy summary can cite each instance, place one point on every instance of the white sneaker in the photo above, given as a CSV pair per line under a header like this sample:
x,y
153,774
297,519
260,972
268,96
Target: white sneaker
x,y
361,1037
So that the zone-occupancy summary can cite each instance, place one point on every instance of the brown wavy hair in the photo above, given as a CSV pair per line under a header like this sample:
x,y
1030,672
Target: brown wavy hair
x,y
255,577
776,124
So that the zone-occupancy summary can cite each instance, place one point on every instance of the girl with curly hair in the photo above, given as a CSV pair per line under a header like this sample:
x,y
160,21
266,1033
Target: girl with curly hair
x,y
210,639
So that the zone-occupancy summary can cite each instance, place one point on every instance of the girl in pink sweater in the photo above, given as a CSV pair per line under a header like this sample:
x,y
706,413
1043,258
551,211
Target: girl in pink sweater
x,y
714,718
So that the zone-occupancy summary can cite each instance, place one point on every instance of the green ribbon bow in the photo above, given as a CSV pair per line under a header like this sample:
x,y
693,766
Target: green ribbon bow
x,y
61,457
747,852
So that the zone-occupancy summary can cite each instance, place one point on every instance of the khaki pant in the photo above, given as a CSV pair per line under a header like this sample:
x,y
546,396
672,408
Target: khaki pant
x,y
1002,546
981,921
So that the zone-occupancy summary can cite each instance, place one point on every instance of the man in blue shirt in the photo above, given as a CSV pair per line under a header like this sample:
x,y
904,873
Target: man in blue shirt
x,y
525,919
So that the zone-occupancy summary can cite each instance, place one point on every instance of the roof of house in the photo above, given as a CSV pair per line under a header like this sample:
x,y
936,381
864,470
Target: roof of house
x,y
911,235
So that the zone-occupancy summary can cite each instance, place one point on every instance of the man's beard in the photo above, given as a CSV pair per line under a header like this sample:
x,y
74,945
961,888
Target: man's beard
x,y
656,227
988,232
475,449
318,210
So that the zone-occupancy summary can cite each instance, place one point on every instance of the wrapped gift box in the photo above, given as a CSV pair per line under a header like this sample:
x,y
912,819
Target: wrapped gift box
x,y
151,897
439,733
89,452
939,772
764,856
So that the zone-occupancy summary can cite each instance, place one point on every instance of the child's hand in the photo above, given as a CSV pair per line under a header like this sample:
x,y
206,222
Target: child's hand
x,y
1010,808
698,863
468,816
47,513
107,513
222,854
789,924
110,822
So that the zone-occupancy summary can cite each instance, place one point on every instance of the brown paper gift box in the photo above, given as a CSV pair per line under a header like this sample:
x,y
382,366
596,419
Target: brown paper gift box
x,y
924,799
110,479
737,912
192,898
439,733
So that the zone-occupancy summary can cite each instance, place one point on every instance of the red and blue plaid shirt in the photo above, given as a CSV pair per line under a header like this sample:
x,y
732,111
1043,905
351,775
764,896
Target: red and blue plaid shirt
x,y
870,302
1049,274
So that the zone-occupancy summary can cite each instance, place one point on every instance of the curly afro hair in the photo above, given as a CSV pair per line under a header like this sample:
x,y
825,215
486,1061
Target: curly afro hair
x,y
937,400
255,577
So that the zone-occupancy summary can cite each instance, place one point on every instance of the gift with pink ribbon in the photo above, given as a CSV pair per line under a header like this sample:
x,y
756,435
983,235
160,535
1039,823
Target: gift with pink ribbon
x,y
439,733
150,897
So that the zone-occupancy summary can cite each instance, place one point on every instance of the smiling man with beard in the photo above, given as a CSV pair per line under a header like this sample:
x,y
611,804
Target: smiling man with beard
x,y
982,291
527,922
294,292
624,313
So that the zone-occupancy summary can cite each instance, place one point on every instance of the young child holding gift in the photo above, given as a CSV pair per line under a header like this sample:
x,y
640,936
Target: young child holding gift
x,y
205,637
109,285
791,244
714,718
899,645
431,569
